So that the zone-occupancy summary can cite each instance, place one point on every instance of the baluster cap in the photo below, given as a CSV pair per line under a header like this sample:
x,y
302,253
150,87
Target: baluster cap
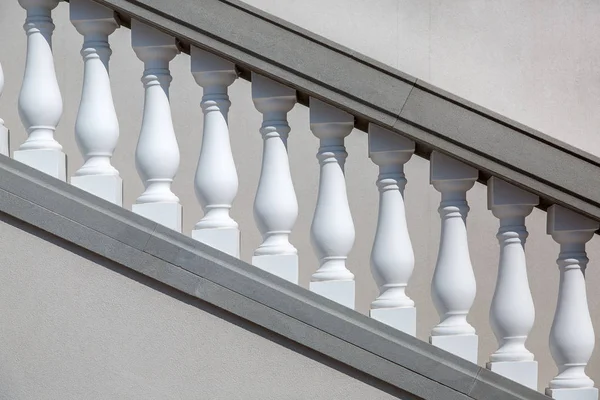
x,y
386,146
209,69
448,173
562,222
88,17
271,96
47,4
150,43
329,121
505,199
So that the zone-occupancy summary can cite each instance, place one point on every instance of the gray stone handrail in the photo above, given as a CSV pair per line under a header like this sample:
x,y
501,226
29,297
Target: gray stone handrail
x,y
373,92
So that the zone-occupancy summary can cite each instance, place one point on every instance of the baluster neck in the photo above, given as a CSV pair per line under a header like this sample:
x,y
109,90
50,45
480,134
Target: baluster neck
x,y
572,256
216,99
39,21
275,125
454,205
512,231
332,150
391,177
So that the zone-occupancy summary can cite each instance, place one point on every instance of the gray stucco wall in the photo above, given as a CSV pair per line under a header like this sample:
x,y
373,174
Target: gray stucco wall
x,y
505,57
76,326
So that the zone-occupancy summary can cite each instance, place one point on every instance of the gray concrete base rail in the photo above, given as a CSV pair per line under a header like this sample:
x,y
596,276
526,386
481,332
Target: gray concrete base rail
x,y
365,348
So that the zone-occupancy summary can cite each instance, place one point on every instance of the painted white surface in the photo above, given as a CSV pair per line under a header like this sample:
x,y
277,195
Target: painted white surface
x,y
216,180
275,204
453,285
524,372
157,151
548,79
465,346
332,230
97,127
392,257
404,319
40,102
512,313
572,336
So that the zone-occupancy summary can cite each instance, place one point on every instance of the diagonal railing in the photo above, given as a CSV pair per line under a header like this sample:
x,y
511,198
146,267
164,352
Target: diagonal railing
x,y
344,90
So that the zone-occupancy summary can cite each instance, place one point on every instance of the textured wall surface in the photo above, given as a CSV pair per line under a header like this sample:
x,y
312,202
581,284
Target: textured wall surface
x,y
536,62
75,327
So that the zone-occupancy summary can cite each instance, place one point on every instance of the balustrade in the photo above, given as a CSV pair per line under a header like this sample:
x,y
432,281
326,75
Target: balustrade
x,y
157,151
216,180
512,313
275,205
572,336
332,229
453,285
392,258
96,128
40,101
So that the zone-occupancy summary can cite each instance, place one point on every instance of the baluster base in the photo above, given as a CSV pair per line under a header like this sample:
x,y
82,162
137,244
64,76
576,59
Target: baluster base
x,y
573,394
226,240
523,372
283,265
464,346
167,214
404,319
342,292
51,162
107,187
4,140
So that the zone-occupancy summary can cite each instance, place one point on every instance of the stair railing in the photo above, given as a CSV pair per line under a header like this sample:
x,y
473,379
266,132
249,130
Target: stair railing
x,y
453,286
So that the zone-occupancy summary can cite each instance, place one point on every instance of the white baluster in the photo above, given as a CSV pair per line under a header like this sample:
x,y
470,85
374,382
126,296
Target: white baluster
x,y
157,152
453,285
512,313
332,229
40,102
392,258
275,205
4,145
96,128
216,180
572,334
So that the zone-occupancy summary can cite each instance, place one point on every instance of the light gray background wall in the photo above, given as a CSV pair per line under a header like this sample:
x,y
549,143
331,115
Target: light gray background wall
x,y
536,62
74,327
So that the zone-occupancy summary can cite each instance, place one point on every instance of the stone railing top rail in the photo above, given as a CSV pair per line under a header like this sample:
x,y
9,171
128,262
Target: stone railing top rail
x,y
373,92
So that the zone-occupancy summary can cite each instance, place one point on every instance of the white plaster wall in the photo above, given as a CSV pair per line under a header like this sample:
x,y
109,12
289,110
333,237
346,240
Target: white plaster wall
x,y
536,62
